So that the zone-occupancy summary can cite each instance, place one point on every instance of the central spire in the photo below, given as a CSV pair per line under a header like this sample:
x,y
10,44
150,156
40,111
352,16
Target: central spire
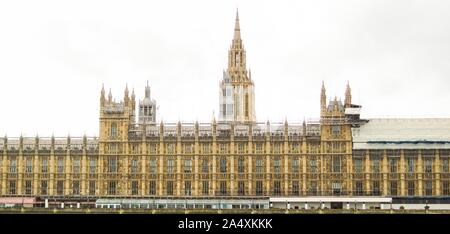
x,y
237,29
237,98
236,58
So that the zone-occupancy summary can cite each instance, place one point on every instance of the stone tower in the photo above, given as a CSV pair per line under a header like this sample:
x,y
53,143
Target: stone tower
x,y
333,121
116,118
147,108
237,97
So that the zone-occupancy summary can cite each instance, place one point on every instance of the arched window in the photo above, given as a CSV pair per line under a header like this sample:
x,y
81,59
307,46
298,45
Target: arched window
x,y
246,105
113,130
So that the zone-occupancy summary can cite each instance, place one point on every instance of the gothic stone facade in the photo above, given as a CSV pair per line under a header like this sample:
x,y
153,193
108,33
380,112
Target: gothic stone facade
x,y
217,159
337,155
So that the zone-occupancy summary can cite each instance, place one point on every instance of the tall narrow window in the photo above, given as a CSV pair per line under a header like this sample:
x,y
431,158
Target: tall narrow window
x,y
152,166
134,166
336,164
205,167
259,188
92,187
376,165
187,188
29,165
313,188
223,165
187,166
113,130
410,165
277,165
76,187
169,188
223,188
205,187
60,187
134,187
92,165
13,165
295,165
393,185
295,188
259,165
60,165
445,165
44,165
28,187
411,188
12,187
241,165
76,165
313,165
112,186
446,187
393,165
428,188
376,188
358,188
224,110
246,105
428,164
112,165
358,167
44,188
241,188
170,165
152,187
277,188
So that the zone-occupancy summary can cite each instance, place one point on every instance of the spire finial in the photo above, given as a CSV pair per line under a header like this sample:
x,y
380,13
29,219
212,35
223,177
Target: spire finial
x,y
348,95
102,95
109,96
237,29
147,91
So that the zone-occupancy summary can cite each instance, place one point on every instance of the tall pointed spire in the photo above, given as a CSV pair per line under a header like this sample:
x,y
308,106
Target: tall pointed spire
x,y
323,97
237,106
348,96
126,90
133,100
236,54
109,95
102,95
126,97
237,29
147,90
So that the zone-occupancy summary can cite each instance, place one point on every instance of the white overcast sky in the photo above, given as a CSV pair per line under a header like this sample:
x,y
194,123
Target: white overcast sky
x,y
55,55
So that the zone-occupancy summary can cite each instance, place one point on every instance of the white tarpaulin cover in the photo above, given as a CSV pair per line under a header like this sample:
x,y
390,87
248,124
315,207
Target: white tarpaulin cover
x,y
403,133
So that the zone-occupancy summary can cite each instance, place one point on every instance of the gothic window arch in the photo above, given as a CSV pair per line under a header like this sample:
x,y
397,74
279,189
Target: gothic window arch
x,y
113,132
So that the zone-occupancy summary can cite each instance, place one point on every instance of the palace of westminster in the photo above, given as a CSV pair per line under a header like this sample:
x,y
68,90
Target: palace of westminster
x,y
339,155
